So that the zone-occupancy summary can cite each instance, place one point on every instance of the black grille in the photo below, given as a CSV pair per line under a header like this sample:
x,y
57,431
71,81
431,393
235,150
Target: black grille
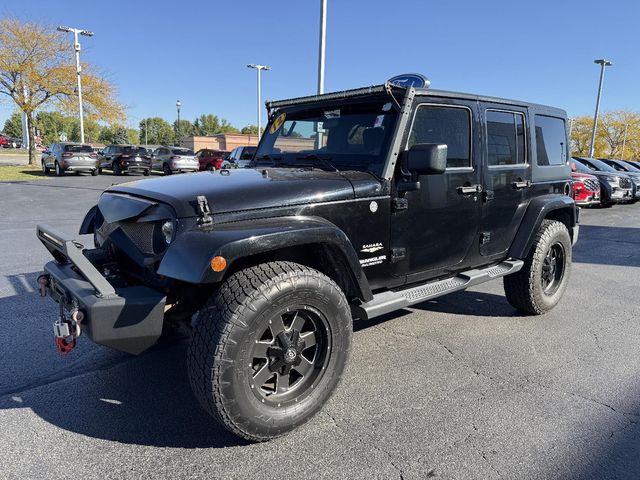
x,y
591,184
141,234
625,182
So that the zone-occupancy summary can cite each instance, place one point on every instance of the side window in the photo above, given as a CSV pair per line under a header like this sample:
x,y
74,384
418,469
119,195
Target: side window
x,y
444,124
551,140
505,138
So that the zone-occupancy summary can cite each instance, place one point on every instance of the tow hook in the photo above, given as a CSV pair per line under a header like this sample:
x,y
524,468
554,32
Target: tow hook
x,y
66,331
43,284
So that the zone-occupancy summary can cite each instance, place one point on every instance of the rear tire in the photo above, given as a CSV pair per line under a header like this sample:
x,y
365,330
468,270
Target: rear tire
x,y
211,168
59,171
248,338
146,173
539,286
94,173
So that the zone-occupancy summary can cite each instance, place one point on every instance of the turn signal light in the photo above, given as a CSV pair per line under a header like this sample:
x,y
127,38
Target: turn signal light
x,y
218,264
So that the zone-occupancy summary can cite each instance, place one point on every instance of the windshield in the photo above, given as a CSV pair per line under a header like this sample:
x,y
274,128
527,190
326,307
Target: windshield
x,y
181,151
580,167
633,168
78,148
599,165
345,137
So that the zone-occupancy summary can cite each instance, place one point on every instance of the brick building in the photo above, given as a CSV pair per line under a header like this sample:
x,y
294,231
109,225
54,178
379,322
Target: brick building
x,y
222,141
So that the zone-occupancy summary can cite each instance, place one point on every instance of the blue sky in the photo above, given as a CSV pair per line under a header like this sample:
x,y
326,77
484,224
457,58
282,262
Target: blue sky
x,y
196,50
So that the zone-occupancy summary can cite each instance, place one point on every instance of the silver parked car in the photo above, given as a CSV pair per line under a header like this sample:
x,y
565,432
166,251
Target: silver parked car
x,y
240,157
69,157
174,159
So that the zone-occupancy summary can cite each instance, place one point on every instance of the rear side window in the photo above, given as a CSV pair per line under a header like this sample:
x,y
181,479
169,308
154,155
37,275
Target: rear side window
x,y
551,141
78,148
182,151
444,124
247,153
505,138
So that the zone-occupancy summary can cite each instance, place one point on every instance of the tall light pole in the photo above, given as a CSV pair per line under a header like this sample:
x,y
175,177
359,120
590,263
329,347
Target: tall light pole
x,y
76,48
603,63
624,140
322,45
259,68
178,105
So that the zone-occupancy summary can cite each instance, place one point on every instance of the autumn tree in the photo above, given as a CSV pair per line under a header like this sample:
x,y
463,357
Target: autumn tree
x,y
37,70
610,135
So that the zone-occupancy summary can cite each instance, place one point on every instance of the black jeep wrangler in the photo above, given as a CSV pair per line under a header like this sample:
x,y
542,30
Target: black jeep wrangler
x,y
359,203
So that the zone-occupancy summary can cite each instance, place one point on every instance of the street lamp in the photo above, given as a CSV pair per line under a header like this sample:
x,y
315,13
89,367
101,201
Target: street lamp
x,y
603,63
76,47
178,105
258,69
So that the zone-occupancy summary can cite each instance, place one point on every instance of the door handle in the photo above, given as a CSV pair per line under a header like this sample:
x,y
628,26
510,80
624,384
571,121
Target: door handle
x,y
469,189
520,185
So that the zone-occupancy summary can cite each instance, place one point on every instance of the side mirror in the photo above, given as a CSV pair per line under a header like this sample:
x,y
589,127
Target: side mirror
x,y
100,152
427,158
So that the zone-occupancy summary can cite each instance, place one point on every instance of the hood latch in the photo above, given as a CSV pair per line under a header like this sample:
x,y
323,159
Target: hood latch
x,y
204,212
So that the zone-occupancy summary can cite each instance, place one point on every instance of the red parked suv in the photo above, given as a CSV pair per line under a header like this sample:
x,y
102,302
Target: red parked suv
x,y
210,159
586,189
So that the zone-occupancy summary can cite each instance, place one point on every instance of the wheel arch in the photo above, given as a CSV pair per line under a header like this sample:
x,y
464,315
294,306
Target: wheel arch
x,y
546,207
310,241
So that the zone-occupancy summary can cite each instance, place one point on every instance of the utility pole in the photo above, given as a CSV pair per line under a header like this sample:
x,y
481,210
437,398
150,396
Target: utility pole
x,y
603,63
321,57
259,68
76,48
624,140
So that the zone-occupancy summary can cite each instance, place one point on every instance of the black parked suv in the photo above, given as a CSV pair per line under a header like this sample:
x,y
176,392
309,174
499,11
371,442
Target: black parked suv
x,y
632,172
121,159
360,203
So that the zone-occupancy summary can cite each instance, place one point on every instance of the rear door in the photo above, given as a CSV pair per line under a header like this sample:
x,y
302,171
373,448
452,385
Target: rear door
x,y
506,176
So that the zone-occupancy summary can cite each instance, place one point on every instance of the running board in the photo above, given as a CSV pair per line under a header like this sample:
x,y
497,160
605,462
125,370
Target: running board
x,y
389,301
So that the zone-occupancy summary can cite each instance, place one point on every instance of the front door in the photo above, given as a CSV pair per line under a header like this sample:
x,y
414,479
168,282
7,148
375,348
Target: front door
x,y
438,229
506,178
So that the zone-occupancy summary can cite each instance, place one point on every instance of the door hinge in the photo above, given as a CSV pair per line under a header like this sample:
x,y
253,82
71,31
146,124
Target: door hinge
x,y
397,254
399,203
485,237
488,195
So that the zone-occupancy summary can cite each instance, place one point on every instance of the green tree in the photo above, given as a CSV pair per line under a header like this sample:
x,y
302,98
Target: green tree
x,y
186,130
250,130
13,125
52,124
158,131
132,136
120,135
208,124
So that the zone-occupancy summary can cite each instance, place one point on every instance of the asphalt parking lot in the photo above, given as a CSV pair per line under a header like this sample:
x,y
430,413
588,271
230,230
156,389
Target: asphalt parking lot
x,y
460,387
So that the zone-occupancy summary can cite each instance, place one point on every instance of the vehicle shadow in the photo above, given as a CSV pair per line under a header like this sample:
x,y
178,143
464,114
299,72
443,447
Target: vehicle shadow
x,y
605,245
95,391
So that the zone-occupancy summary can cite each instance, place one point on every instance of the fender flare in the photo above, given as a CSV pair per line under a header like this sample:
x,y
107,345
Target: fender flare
x,y
188,257
539,208
88,225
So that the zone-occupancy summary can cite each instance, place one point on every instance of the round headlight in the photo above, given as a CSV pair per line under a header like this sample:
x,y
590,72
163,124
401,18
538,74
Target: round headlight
x,y
167,231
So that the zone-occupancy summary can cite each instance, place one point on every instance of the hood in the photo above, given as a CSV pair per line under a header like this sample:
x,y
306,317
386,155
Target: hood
x,y
599,174
249,189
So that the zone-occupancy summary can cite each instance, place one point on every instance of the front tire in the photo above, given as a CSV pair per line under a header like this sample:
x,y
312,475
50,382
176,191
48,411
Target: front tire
x,y
116,169
539,286
269,348
45,170
166,169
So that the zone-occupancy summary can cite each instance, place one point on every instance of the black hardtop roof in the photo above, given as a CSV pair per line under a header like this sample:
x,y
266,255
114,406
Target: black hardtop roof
x,y
379,89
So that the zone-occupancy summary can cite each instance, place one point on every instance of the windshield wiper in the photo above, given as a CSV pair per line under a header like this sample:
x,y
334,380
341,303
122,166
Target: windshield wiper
x,y
316,157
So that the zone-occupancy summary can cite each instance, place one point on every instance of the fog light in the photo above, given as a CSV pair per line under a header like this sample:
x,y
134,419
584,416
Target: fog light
x,y
167,231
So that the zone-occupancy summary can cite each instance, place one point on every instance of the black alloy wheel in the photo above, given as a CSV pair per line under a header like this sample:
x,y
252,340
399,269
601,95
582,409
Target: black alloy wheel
x,y
289,355
553,267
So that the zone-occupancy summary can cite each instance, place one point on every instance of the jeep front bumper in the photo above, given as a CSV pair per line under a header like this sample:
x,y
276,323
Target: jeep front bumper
x,y
124,318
